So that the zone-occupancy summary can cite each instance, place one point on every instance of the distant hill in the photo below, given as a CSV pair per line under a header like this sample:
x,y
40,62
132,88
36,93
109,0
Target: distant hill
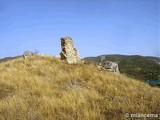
x,y
9,58
135,66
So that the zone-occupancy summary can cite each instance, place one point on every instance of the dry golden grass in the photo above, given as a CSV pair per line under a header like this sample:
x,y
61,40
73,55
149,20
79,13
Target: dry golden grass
x,y
46,88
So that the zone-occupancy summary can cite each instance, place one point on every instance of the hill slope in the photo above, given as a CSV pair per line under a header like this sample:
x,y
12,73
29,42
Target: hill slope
x,y
46,88
135,66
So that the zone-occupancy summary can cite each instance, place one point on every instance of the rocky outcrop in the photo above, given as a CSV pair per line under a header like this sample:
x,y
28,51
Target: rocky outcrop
x,y
69,52
27,54
110,66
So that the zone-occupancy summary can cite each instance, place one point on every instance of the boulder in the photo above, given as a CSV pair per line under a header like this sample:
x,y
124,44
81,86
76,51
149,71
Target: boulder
x,y
27,54
110,66
69,52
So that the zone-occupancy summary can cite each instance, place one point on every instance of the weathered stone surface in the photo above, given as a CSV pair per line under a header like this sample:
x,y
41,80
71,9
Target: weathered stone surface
x,y
69,52
110,66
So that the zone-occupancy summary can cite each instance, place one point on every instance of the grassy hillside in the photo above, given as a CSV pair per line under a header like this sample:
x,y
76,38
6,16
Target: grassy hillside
x,y
46,88
138,67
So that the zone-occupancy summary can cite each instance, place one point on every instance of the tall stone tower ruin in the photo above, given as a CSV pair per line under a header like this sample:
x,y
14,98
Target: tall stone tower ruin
x,y
69,52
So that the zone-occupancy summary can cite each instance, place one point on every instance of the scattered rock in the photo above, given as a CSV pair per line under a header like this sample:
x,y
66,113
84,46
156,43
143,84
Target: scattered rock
x,y
69,52
27,54
110,66
57,56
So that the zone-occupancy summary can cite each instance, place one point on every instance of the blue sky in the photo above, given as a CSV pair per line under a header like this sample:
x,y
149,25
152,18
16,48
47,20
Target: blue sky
x,y
96,26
